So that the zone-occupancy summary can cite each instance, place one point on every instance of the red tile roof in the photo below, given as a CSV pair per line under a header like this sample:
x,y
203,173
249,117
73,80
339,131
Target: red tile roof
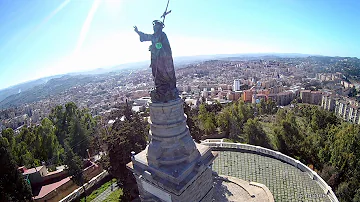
x,y
50,187
32,170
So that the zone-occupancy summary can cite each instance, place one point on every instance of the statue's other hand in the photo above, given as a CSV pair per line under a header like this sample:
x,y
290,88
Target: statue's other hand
x,y
136,29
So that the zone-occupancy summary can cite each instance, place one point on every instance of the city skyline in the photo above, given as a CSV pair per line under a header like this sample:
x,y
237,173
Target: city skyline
x,y
43,39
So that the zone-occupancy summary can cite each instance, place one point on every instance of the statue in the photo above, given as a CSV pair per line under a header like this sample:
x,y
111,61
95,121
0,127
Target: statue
x,y
161,63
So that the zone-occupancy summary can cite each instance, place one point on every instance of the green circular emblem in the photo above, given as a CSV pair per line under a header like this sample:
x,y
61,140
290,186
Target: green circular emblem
x,y
158,45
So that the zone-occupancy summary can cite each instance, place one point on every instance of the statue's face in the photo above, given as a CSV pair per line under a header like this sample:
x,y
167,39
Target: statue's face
x,y
157,27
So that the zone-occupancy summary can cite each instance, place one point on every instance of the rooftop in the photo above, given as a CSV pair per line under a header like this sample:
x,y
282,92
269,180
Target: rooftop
x,y
31,170
44,190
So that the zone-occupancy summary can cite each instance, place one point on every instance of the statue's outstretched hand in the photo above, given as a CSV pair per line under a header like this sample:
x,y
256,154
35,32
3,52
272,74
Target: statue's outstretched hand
x,y
136,29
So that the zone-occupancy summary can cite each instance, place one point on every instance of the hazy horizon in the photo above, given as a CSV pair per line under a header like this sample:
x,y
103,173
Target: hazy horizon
x,y
49,38
110,67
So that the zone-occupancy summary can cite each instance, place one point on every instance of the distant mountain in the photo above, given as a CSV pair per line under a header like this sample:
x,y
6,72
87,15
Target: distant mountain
x,y
52,87
13,90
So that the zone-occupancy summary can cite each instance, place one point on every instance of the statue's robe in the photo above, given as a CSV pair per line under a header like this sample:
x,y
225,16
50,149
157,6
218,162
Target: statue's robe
x,y
162,67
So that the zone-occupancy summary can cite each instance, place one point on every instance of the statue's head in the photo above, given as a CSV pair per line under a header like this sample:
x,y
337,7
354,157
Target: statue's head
x,y
158,25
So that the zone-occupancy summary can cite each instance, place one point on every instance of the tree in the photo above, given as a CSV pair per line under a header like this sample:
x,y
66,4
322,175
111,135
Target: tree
x,y
346,147
9,135
344,192
191,123
74,165
50,148
125,136
209,124
58,118
254,133
288,137
13,186
75,126
206,120
223,121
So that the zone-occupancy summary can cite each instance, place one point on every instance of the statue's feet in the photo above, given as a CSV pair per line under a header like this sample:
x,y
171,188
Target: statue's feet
x,y
157,96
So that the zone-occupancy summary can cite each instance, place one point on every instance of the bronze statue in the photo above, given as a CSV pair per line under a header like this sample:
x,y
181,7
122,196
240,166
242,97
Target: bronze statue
x,y
161,63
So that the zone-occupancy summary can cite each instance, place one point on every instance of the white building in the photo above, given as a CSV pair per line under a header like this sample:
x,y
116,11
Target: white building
x,y
237,84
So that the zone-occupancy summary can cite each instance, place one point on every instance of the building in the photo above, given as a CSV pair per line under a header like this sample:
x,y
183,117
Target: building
x,y
328,102
263,91
273,97
284,98
237,85
276,89
142,101
305,96
256,98
230,95
34,175
53,186
233,96
311,97
345,108
213,92
223,94
224,87
353,114
247,95
268,83
315,97
187,88
346,84
204,93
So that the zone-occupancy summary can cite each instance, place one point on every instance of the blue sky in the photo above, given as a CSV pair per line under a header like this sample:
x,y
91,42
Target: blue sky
x,y
48,37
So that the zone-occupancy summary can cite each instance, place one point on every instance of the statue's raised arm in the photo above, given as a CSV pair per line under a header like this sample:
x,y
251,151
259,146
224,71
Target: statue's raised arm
x,y
143,36
161,63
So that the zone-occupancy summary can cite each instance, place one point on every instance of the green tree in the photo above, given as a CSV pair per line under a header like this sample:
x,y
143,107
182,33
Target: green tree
x,y
125,136
57,116
345,151
207,122
9,135
344,192
13,186
254,133
191,123
75,126
78,137
223,121
50,148
74,165
289,139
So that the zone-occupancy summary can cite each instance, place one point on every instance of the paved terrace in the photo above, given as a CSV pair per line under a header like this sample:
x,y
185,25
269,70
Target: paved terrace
x,y
285,181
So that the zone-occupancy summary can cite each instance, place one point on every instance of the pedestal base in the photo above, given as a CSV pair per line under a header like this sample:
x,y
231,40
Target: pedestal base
x,y
163,184
172,167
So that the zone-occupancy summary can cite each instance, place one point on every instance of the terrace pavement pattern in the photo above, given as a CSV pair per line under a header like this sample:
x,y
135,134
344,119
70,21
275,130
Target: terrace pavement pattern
x,y
286,182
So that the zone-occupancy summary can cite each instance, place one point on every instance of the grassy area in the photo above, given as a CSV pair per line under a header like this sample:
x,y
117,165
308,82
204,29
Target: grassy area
x,y
98,191
114,196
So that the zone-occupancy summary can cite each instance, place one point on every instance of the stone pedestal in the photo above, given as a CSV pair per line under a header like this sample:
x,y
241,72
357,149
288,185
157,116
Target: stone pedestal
x,y
172,167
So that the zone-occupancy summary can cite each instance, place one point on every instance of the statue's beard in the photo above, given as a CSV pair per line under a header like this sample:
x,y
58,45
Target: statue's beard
x,y
157,31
